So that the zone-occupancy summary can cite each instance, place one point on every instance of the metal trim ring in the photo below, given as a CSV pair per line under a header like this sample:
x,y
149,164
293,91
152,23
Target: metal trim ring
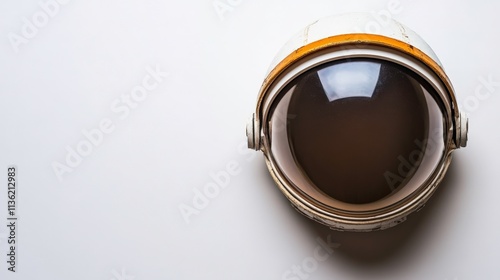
x,y
363,220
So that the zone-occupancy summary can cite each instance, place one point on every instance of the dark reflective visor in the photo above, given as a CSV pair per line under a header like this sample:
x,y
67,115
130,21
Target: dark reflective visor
x,y
357,131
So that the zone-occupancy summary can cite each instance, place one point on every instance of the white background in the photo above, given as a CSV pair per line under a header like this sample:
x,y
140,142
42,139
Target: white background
x,y
116,215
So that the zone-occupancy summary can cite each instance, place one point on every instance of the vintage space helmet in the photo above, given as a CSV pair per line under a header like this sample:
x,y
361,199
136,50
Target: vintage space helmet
x,y
357,124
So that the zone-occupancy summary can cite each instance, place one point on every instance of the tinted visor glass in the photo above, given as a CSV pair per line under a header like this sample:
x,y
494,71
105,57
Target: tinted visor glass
x,y
357,131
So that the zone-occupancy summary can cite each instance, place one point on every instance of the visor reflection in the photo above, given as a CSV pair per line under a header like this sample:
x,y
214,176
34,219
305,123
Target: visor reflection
x,y
357,78
352,128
